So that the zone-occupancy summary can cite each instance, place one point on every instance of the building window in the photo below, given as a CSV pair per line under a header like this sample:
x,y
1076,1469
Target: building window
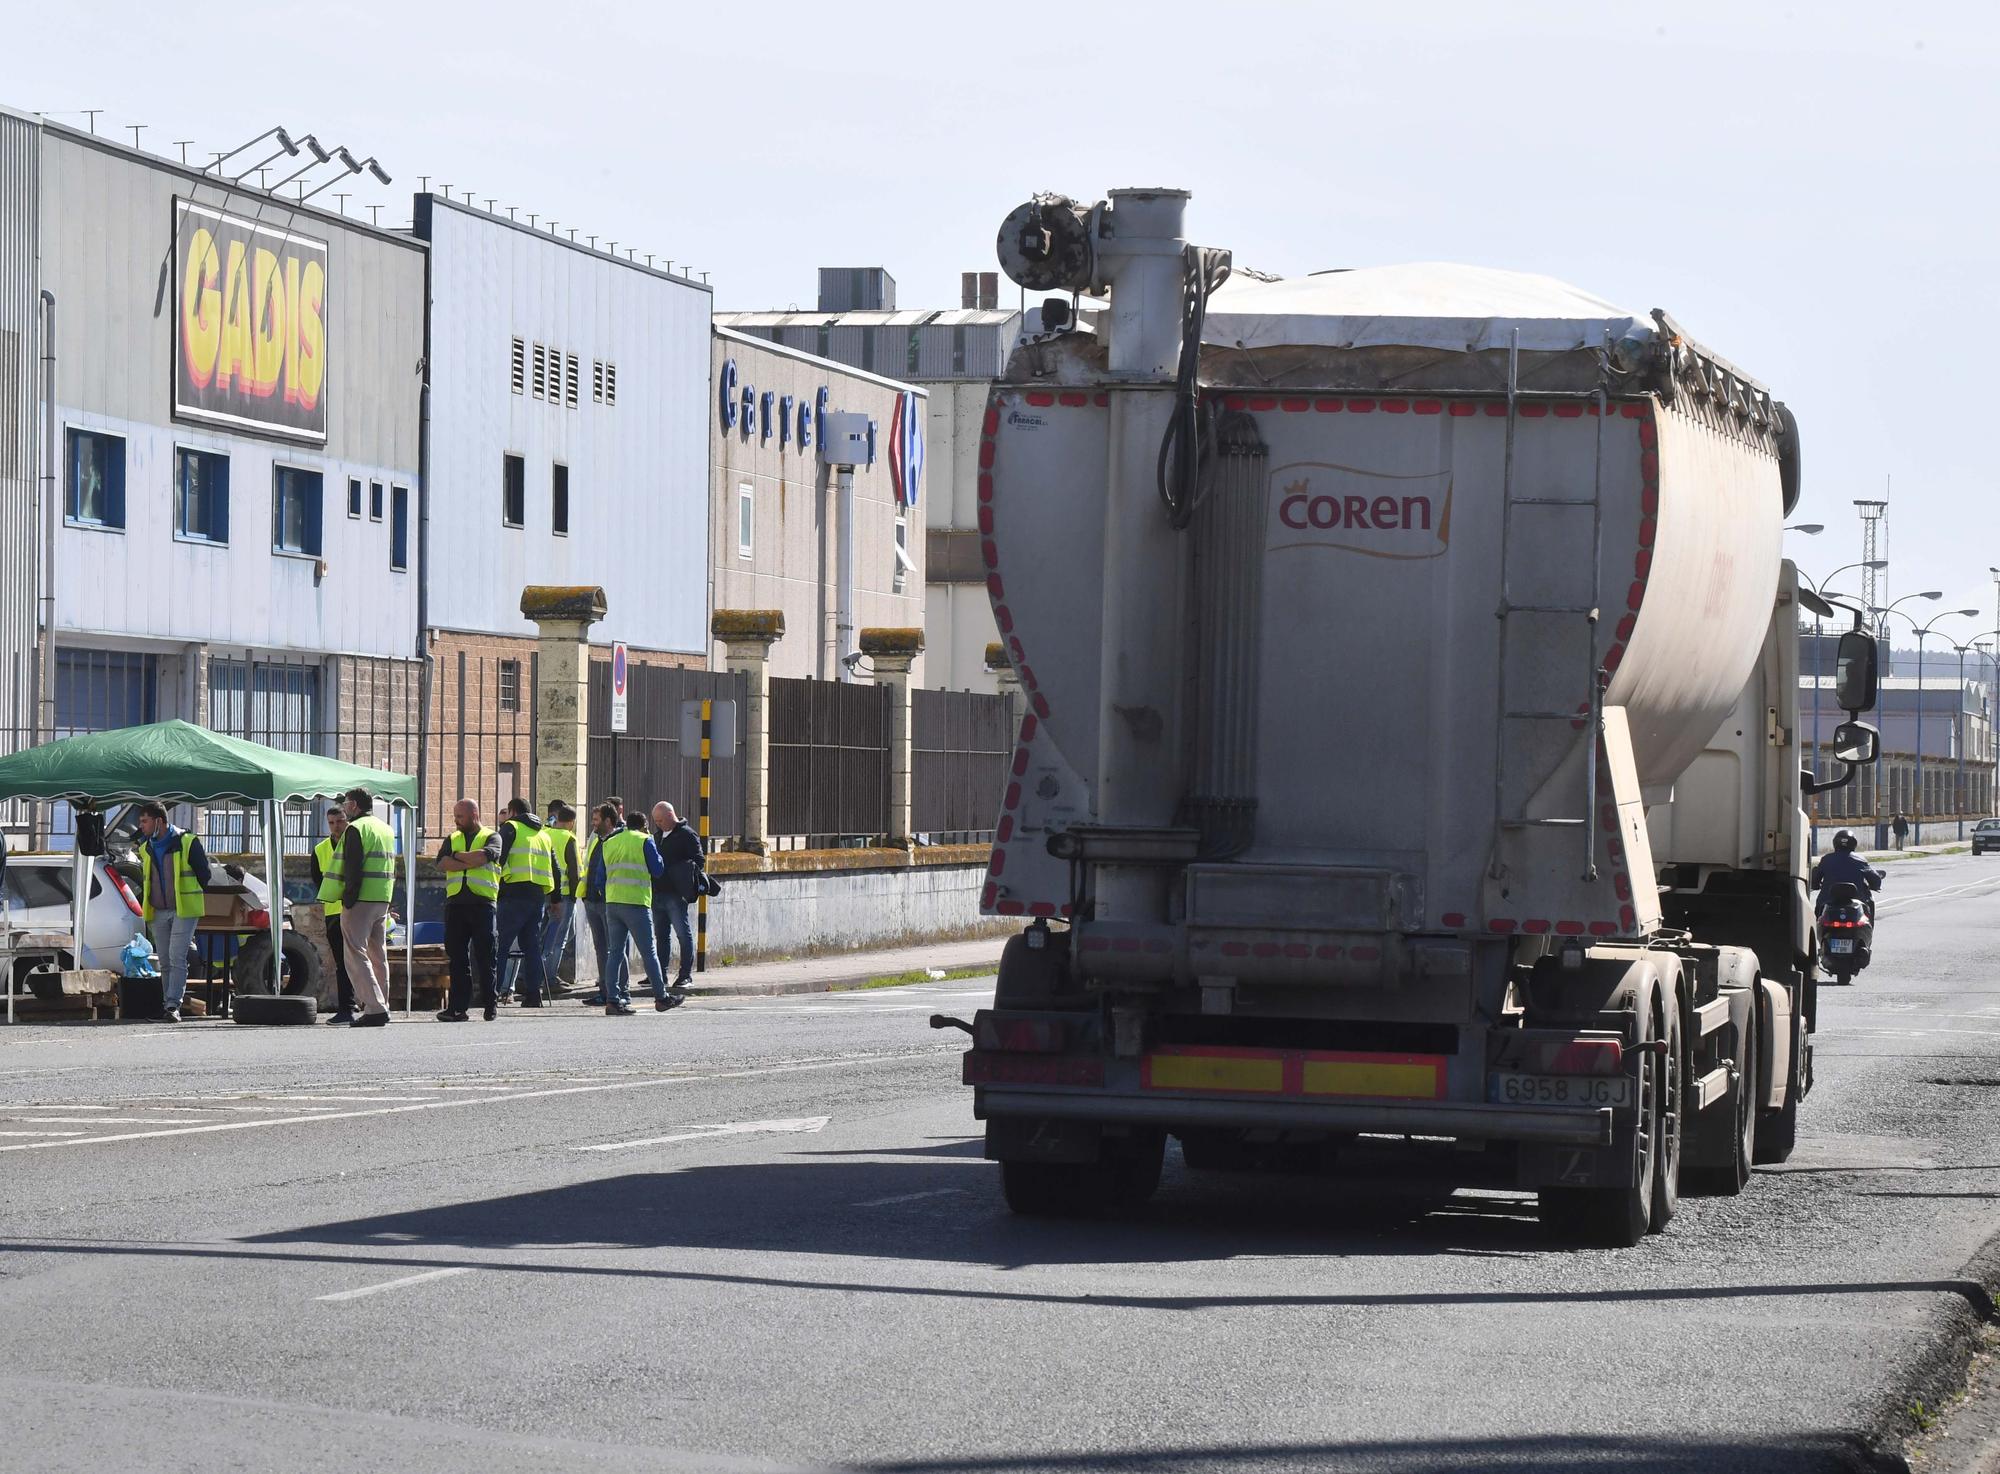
x,y
201,495
514,493
825,341
399,527
541,372
603,382
958,349
354,496
517,375
509,785
374,501
746,519
597,381
510,685
559,501
96,478
295,510
903,564
572,381
868,349
910,352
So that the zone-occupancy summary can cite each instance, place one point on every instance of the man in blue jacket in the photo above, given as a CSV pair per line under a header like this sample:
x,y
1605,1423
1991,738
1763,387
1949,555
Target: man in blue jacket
x,y
1844,865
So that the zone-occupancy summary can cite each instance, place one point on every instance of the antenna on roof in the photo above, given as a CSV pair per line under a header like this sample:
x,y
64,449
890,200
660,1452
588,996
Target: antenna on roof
x,y
91,113
182,145
137,129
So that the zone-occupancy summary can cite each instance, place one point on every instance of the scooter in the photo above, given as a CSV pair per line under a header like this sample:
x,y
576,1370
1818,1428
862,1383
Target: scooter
x,y
1846,931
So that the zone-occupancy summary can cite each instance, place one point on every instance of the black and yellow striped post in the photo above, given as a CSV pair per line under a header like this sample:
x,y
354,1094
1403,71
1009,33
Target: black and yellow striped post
x,y
701,906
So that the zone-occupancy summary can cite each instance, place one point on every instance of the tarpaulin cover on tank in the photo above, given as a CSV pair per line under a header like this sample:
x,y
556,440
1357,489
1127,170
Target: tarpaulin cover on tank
x,y
1426,304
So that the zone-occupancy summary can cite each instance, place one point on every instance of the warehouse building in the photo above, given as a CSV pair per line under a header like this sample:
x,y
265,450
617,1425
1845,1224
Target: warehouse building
x,y
228,426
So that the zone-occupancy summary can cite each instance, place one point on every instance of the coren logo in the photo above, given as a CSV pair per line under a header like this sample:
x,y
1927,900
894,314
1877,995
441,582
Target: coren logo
x,y
250,333
1382,515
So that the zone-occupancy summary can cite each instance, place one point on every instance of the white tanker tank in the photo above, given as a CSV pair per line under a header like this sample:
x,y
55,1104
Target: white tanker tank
x,y
1455,518
1411,733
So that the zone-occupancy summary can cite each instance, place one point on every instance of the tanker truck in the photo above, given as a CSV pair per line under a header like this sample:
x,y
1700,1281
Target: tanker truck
x,y
1410,743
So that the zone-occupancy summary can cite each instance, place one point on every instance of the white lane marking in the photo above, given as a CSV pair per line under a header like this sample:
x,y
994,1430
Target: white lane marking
x,y
1887,904
68,1108
408,1279
41,1133
942,1192
801,1124
353,1099
833,1062
110,1120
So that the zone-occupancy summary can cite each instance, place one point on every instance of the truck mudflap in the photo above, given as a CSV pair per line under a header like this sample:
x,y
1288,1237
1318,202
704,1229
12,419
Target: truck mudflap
x,y
1554,1125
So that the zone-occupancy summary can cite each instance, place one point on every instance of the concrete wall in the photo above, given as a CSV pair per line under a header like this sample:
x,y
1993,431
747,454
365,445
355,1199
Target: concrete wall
x,y
781,913
106,233
637,460
20,439
793,560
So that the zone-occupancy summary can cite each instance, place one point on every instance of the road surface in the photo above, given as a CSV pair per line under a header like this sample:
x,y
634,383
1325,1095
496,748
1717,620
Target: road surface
x,y
758,1234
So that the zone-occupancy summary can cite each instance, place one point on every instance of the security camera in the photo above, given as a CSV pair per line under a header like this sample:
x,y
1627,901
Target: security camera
x,y
852,660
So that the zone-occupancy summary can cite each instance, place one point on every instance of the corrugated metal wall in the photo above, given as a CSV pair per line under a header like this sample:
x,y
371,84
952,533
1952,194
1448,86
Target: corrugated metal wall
x,y
19,444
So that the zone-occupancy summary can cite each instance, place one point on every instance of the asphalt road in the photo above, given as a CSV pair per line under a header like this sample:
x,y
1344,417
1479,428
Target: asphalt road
x,y
758,1234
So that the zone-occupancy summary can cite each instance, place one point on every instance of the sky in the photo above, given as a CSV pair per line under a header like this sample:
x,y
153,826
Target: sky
x,y
1809,189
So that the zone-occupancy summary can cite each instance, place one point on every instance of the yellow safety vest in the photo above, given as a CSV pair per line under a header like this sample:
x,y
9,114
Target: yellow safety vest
x,y
378,858
529,859
583,870
189,898
481,880
562,851
331,882
627,881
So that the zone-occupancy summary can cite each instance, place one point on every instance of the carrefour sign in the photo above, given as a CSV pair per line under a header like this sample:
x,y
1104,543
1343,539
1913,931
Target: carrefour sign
x,y
250,329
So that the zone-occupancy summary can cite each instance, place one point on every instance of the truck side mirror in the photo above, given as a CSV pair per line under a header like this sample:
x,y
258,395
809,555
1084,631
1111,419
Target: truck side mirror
x,y
1855,743
1854,677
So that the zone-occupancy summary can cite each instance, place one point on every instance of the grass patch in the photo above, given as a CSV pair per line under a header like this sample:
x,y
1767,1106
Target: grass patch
x,y
916,975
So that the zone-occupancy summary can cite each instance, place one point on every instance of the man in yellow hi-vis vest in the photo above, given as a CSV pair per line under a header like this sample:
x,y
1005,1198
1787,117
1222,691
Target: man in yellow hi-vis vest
x,y
470,860
527,880
174,870
368,880
330,886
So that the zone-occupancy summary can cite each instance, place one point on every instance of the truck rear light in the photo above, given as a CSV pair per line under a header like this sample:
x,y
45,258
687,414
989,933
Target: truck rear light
x,y
989,1067
1020,1035
1586,1057
258,921
119,884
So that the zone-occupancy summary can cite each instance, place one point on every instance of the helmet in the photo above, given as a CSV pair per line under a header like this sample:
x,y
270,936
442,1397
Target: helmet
x,y
1844,842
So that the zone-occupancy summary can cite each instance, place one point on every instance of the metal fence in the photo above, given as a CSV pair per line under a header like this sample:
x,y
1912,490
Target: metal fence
x,y
829,780
959,747
482,737
645,763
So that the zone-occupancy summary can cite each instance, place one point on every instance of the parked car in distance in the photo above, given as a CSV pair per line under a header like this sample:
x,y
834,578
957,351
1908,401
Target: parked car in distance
x,y
1985,836
37,896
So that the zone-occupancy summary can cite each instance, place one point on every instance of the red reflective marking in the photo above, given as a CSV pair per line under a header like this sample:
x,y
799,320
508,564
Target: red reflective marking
x,y
1643,564
998,863
1614,657
1628,918
1636,412
1501,925
1636,597
1263,401
1649,466
1462,410
1020,761
1234,401
994,587
1570,928
1295,406
1647,527
1535,927
1004,617
1014,643
1329,952
1328,406
1041,704
1006,830
1569,411
1428,407
992,424
1361,406
1013,800
1101,399
1395,406
1496,411
1532,411
986,453
1453,918
1010,908
986,520
1041,398
1073,399
1649,433
1602,929
1626,625
1649,501
1615,849
985,486
989,554
1028,725
986,896
1022,669
1622,886
1042,908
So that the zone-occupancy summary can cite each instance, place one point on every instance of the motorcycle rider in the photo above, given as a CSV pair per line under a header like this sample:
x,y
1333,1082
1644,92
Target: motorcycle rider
x,y
1843,864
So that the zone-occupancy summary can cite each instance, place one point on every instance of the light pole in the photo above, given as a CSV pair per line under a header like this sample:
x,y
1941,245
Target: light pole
x,y
1923,631
1819,647
1958,723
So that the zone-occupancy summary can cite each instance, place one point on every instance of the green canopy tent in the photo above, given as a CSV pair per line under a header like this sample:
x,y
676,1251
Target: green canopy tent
x,y
178,762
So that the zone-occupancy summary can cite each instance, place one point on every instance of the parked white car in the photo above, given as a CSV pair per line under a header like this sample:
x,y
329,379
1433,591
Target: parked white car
x,y
38,894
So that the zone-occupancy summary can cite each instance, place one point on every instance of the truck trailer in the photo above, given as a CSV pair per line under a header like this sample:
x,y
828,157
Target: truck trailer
x,y
1410,744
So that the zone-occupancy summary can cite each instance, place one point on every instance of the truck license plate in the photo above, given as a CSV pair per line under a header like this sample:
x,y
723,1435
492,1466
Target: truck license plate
x,y
1561,1090
1840,944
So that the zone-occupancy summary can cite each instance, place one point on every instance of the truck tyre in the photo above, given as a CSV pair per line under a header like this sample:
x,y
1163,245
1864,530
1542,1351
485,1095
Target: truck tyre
x,y
1778,1130
1119,1182
1670,1116
252,972
1727,1179
1616,1217
265,1008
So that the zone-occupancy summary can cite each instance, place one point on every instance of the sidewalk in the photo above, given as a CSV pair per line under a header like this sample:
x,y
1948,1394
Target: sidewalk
x,y
842,969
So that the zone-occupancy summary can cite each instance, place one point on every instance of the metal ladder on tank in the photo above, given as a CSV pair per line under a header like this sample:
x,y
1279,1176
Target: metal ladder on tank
x,y
1596,678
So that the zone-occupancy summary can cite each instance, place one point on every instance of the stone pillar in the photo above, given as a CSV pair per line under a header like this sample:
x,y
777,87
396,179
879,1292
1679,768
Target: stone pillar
x,y
1002,670
562,689
891,652
747,636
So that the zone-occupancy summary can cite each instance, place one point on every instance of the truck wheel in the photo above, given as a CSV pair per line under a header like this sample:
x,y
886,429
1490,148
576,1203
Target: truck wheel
x,y
1670,1116
1615,1217
1727,1179
263,1008
1778,1130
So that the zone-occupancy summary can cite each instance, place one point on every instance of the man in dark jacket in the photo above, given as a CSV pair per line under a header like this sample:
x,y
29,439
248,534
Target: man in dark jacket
x,y
470,859
680,886
1843,863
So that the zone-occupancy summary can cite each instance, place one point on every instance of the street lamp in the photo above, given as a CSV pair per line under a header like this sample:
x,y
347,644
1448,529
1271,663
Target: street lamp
x,y
1923,631
1807,529
1958,725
